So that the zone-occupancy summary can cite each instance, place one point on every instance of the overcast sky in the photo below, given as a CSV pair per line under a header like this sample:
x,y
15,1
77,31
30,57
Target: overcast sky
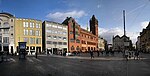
x,y
108,13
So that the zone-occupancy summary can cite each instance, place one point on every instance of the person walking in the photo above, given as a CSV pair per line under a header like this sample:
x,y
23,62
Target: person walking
x,y
97,53
126,54
91,53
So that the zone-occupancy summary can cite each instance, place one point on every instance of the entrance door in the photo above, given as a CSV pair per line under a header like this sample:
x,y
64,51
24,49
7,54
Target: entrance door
x,y
12,50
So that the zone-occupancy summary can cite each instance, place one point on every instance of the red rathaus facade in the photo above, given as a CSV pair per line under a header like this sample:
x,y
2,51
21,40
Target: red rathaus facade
x,y
80,39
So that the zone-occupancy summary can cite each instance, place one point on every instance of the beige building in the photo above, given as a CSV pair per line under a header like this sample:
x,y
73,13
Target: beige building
x,y
7,32
55,37
102,44
30,31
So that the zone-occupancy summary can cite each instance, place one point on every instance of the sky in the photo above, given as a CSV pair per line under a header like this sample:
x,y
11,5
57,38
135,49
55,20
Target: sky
x,y
108,13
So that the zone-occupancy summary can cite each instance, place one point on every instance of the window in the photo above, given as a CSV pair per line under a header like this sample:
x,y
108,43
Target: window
x,y
55,26
26,32
71,40
59,27
78,41
26,40
59,32
11,20
37,25
32,41
6,31
71,32
55,43
47,25
55,37
37,33
55,32
6,24
5,39
49,37
64,43
31,24
24,24
49,42
38,40
49,31
64,33
64,28
64,38
59,43
32,32
59,38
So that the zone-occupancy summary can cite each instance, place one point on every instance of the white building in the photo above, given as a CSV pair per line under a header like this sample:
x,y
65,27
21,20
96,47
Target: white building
x,y
6,32
55,37
101,43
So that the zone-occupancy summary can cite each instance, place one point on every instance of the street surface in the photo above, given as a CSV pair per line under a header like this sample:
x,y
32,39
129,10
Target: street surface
x,y
81,65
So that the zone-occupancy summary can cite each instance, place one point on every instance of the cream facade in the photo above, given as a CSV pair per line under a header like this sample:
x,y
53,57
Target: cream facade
x,y
55,37
101,44
30,31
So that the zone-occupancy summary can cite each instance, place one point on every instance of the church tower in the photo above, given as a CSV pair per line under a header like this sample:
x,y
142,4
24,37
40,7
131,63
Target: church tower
x,y
94,25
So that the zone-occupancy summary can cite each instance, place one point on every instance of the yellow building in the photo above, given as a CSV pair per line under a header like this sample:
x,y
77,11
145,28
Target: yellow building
x,y
30,31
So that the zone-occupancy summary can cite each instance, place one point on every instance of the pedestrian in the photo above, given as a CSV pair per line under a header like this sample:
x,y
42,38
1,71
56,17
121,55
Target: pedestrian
x,y
126,54
130,54
102,52
136,55
91,53
97,53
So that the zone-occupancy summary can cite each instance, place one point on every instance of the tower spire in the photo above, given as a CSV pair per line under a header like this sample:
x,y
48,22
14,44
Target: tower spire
x,y
124,22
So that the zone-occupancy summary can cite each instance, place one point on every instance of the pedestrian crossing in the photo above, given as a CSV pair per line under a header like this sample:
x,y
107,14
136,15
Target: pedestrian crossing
x,y
33,59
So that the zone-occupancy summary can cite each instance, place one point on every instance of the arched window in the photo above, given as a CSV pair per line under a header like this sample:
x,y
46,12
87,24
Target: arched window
x,y
6,23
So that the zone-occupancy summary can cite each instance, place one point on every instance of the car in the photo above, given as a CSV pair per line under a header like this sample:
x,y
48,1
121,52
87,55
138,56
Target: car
x,y
69,54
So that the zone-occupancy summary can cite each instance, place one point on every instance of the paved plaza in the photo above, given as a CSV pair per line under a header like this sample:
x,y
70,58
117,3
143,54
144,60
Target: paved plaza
x,y
81,65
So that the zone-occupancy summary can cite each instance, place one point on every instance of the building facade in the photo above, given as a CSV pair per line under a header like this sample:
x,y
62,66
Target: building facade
x,y
145,39
30,31
138,45
121,43
80,39
7,32
102,43
55,37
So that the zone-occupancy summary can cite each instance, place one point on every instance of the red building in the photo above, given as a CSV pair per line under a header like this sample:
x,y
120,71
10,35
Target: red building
x,y
80,39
